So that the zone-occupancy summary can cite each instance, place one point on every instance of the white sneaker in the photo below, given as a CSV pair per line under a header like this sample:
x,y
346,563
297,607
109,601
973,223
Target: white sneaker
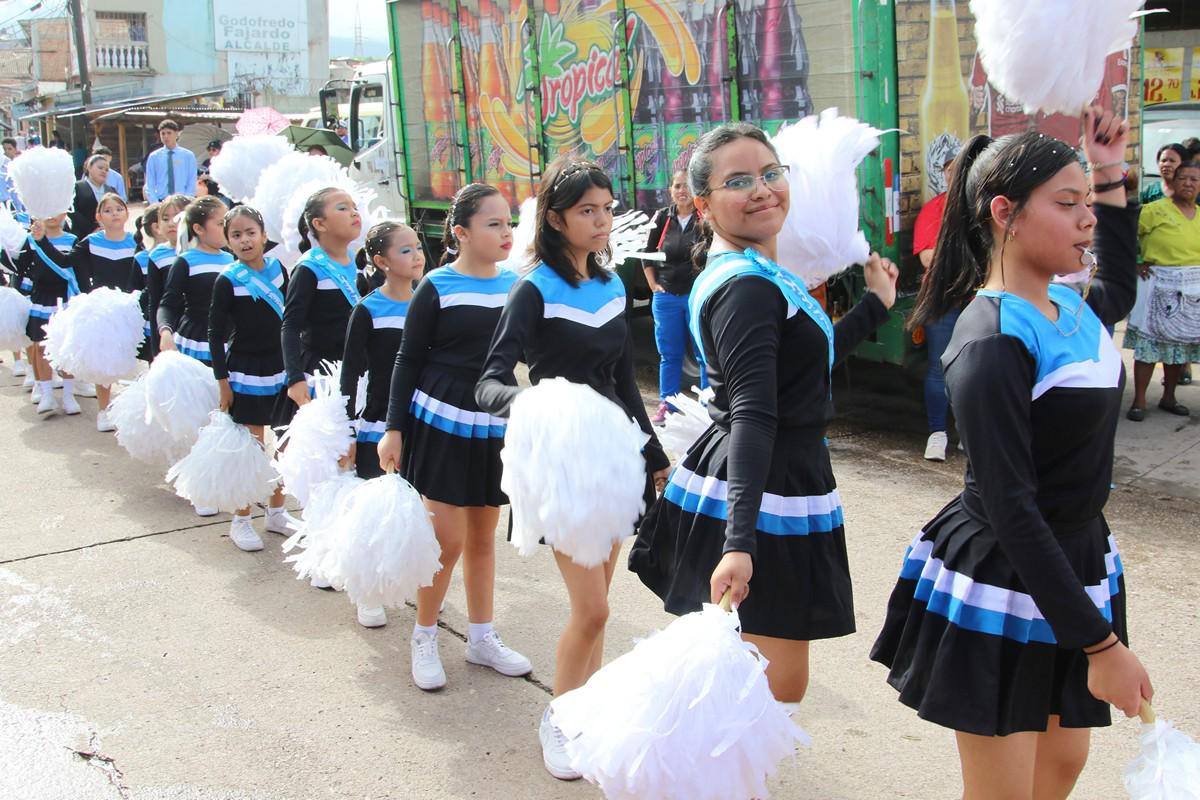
x,y
47,404
242,533
554,750
205,511
427,672
935,446
318,581
56,381
30,379
82,389
282,522
18,369
103,424
372,617
491,652
35,396
70,405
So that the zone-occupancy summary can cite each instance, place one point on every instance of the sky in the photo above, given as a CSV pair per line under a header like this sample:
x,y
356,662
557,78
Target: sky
x,y
341,26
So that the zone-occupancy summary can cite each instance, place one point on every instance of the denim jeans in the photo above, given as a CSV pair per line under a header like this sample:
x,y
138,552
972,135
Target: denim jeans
x,y
937,337
671,335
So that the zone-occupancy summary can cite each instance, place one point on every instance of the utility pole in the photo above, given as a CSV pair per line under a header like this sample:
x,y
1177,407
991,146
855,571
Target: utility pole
x,y
81,55
358,32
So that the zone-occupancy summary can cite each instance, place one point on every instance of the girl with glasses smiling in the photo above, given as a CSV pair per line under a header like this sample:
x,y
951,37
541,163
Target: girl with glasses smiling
x,y
753,508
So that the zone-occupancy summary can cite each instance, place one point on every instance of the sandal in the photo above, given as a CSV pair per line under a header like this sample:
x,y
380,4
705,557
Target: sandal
x,y
1135,414
1178,409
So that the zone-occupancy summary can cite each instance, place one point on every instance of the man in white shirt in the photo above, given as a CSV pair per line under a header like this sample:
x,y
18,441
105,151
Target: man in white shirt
x,y
170,169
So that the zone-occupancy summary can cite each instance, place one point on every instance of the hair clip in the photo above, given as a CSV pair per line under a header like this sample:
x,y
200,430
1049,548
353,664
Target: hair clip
x,y
574,168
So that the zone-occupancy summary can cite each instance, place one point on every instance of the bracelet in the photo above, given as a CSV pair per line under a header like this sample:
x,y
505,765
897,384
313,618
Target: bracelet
x,y
1108,646
1101,188
1094,167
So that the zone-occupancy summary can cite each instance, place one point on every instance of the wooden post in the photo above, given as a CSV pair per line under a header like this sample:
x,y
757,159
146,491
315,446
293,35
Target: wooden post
x,y
122,157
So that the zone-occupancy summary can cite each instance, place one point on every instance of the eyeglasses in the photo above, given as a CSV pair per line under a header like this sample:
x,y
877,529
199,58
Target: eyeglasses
x,y
774,178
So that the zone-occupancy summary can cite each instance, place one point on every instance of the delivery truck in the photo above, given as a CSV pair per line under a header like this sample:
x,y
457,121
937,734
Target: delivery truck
x,y
493,90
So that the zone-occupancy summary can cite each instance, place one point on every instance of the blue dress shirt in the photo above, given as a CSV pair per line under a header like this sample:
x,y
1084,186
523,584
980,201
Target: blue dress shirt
x,y
184,164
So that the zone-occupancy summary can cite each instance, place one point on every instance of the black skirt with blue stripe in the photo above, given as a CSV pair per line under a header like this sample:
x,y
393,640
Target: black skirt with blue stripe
x,y
967,646
259,386
801,587
452,448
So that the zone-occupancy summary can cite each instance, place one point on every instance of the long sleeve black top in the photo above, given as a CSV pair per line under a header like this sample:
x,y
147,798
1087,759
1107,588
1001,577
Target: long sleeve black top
x,y
247,324
768,366
47,286
315,318
578,333
373,340
187,293
1037,402
450,325
108,262
676,241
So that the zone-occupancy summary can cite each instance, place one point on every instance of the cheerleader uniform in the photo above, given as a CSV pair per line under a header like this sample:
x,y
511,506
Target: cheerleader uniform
x,y
187,295
247,312
372,344
53,281
759,480
579,333
321,294
451,447
161,258
22,279
1002,590
110,263
137,283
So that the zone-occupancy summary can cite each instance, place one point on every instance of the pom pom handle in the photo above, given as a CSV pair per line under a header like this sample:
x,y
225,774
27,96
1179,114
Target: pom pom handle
x,y
727,600
1146,712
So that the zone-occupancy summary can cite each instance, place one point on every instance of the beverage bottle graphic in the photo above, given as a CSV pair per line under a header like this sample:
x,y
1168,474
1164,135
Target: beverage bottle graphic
x,y
770,55
799,53
718,61
491,85
945,106
435,84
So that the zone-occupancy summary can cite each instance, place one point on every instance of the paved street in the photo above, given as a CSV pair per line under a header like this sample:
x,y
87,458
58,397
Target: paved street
x,y
145,657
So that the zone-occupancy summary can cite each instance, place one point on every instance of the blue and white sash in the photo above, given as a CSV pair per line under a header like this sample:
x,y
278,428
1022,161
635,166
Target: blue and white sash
x,y
66,273
723,267
342,275
260,285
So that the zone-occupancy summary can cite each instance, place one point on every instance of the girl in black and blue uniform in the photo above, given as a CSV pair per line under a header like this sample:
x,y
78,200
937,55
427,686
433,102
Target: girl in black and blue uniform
x,y
445,444
247,359
374,335
566,319
322,291
187,294
161,258
106,255
1007,623
753,509
145,238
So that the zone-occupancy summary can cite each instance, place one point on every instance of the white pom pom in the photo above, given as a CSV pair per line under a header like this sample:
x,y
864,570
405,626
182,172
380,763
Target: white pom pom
x,y
520,257
44,178
629,232
318,531
319,436
820,236
580,492
682,429
140,436
279,182
1168,766
12,233
1021,45
14,317
242,161
180,394
227,468
289,247
386,548
686,715
96,337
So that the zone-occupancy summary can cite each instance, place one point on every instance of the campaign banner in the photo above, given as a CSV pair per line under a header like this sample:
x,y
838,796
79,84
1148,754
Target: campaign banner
x,y
261,26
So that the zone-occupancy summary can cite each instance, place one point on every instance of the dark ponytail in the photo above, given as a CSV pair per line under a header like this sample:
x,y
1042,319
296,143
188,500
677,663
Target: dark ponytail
x,y
144,224
465,205
1012,167
314,208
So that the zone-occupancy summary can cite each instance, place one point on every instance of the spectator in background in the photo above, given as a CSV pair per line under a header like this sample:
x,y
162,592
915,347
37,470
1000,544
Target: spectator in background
x,y
7,195
937,332
88,191
1162,330
317,150
170,169
115,179
213,149
207,187
342,132
1192,145
1169,157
